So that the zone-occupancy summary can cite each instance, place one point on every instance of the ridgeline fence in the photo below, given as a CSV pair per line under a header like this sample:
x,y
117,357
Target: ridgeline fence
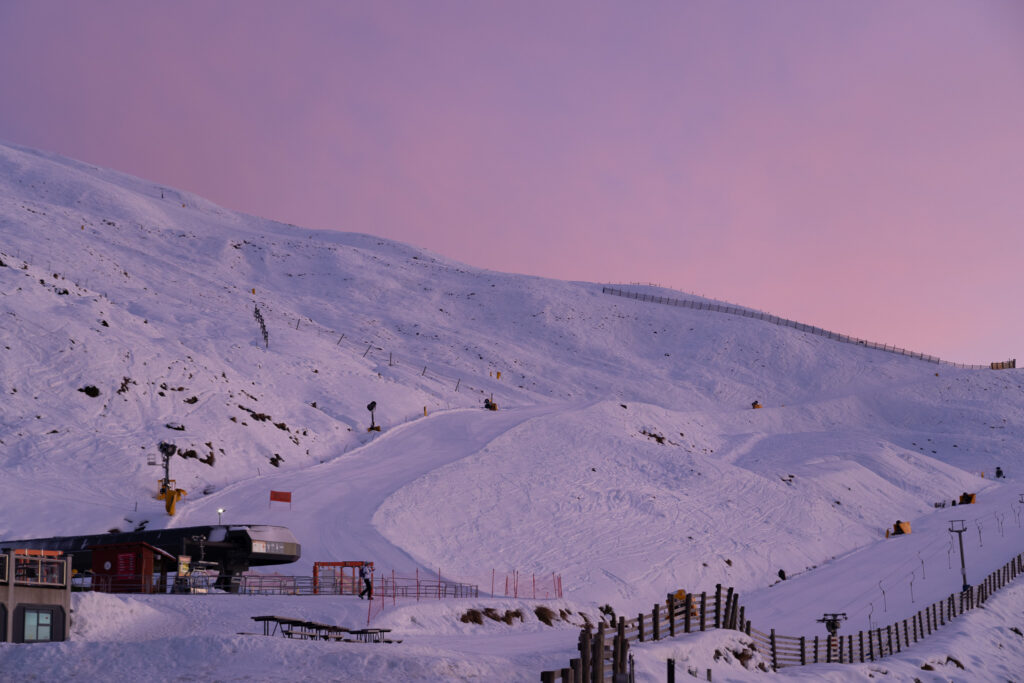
x,y
605,657
775,320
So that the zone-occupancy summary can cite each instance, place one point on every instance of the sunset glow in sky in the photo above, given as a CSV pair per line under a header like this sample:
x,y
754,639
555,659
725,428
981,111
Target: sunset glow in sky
x,y
857,166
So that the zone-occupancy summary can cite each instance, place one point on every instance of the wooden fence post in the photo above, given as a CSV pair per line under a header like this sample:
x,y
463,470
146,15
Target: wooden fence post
x,y
671,615
727,619
656,621
828,649
640,626
775,652
586,648
851,648
623,646
670,674
841,648
547,677
625,656
703,610
688,606
803,650
566,675
577,670
888,630
616,648
860,638
816,649
718,605
597,662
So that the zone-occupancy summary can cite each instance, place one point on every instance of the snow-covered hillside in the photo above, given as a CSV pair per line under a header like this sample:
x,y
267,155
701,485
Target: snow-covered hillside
x,y
625,455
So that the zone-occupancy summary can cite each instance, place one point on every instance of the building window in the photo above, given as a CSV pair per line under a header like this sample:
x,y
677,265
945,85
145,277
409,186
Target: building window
x,y
38,625
34,570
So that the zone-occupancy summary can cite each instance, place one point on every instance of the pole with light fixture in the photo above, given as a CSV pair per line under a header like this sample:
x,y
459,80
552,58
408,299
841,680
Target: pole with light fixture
x,y
958,527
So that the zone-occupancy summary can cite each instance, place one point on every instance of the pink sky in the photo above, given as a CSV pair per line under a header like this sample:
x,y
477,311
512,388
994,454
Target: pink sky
x,y
858,166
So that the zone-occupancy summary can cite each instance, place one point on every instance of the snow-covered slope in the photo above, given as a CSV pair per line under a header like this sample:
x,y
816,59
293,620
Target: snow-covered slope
x,y
625,455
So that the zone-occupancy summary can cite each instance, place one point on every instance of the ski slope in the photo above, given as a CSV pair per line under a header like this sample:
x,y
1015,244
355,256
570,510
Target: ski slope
x,y
625,456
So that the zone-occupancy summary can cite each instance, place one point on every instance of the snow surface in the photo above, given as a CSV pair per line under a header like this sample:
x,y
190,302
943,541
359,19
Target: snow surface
x,y
624,457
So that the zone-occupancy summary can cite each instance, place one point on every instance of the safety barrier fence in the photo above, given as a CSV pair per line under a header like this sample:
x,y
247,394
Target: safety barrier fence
x,y
606,657
384,585
146,583
516,584
883,641
775,320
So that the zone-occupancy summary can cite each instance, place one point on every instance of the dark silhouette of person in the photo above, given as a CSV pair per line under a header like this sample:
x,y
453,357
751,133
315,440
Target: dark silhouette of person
x,y
364,574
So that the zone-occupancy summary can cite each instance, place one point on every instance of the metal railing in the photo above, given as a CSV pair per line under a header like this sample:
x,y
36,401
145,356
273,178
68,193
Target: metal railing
x,y
272,584
145,583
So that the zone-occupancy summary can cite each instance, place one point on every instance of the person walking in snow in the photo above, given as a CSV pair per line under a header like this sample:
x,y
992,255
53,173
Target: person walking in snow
x,y
364,574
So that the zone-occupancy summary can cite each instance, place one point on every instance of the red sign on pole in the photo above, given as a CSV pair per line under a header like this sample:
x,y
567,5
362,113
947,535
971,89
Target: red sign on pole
x,y
281,497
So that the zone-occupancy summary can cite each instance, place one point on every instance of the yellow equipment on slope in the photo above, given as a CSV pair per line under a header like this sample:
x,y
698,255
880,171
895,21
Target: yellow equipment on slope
x,y
169,494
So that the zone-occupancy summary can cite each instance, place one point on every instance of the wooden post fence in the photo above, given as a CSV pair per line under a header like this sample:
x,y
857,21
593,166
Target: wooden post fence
x,y
882,641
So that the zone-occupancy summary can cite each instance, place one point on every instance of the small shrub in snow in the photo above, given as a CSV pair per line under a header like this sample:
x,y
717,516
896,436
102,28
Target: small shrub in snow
x,y
472,616
508,617
512,615
90,391
545,614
